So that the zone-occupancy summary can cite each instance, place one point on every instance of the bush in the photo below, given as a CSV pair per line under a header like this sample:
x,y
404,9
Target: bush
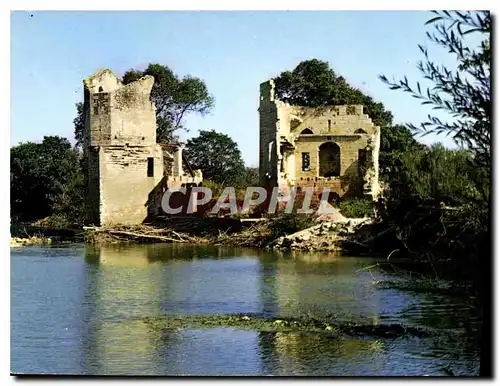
x,y
55,220
357,208
437,173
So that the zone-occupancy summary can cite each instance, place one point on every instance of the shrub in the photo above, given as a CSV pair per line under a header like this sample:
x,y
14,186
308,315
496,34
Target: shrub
x,y
357,208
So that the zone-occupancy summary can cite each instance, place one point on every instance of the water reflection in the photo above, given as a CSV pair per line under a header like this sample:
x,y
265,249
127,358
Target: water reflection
x,y
194,279
122,287
102,298
317,354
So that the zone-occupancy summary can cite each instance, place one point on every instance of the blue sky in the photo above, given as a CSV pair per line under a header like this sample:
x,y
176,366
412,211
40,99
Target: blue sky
x,y
233,52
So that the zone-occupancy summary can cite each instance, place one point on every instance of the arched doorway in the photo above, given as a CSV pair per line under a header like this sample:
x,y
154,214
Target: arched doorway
x,y
329,160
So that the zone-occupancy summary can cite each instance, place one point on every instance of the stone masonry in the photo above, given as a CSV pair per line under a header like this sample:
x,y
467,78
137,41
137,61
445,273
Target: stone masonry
x,y
332,146
127,170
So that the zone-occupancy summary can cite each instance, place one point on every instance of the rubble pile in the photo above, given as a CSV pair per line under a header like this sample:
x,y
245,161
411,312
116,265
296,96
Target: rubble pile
x,y
325,236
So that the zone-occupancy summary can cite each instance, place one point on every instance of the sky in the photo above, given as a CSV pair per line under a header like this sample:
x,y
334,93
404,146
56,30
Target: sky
x,y
233,52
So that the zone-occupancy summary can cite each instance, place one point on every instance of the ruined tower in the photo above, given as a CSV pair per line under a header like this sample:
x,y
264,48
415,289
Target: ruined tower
x,y
124,161
332,146
268,135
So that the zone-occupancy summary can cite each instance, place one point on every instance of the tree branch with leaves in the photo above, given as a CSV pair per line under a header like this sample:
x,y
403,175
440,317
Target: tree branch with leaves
x,y
463,92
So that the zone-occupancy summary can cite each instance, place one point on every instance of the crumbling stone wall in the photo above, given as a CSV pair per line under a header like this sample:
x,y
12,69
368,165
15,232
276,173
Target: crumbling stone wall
x,y
93,187
124,161
125,184
127,170
268,135
296,130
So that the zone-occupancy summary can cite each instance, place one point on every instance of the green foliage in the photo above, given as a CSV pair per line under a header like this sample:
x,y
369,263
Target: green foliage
x,y
357,208
250,177
133,75
438,203
79,125
215,187
69,206
42,173
218,157
313,83
174,98
395,141
437,174
464,92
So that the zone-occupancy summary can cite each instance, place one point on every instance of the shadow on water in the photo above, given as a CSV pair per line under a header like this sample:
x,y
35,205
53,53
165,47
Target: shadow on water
x,y
106,295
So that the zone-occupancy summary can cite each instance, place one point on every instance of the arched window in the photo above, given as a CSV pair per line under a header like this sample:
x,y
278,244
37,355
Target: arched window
x,y
329,160
360,131
100,89
306,131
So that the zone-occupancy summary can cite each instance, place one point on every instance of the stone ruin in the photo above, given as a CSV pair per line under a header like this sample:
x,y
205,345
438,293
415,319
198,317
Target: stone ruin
x,y
128,171
333,146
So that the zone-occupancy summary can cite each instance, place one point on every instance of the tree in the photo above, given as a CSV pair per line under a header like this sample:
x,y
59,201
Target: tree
x,y
174,99
438,174
313,83
463,92
218,157
251,177
395,141
39,171
79,125
69,207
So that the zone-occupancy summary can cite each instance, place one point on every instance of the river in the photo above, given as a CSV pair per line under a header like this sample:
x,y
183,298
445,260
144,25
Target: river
x,y
79,310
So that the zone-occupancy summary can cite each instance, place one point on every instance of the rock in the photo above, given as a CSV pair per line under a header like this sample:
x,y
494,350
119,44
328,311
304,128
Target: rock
x,y
329,213
323,236
305,237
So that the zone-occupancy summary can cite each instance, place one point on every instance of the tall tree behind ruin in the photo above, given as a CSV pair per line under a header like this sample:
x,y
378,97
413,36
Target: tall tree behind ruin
x,y
174,97
218,157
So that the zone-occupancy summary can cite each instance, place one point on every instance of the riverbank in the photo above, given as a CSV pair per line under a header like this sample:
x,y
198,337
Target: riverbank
x,y
286,232
18,242
296,232
299,232
25,234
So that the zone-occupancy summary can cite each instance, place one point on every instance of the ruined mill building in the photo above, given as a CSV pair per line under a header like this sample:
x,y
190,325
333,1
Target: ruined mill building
x,y
333,146
128,171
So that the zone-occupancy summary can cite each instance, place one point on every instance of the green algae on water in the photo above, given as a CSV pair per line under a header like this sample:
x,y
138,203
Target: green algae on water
x,y
325,325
